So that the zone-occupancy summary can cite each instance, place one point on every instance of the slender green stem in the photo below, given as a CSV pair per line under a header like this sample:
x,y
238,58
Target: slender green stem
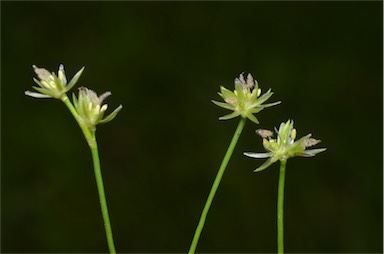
x,y
215,185
103,200
280,208
91,140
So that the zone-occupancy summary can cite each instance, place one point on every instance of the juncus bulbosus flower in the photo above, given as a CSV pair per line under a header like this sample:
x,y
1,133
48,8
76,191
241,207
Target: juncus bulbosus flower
x,y
91,109
245,100
52,85
284,146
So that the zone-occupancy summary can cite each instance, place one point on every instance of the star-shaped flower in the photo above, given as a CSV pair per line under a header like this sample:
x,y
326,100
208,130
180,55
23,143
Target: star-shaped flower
x,y
284,146
245,100
90,108
52,86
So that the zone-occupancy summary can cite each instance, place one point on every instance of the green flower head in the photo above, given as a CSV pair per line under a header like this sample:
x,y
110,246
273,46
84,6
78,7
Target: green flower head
x,y
52,86
90,108
245,100
284,146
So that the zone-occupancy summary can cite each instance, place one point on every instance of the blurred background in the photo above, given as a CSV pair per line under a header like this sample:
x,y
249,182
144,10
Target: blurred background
x,y
164,62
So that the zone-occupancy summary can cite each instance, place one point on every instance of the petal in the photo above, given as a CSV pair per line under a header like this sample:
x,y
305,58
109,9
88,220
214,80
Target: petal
x,y
284,131
74,79
256,87
239,90
50,93
302,140
230,116
316,151
38,82
225,93
255,110
99,117
264,97
81,104
266,164
112,115
252,118
75,104
36,95
258,155
270,104
311,152
224,105
58,85
61,75
253,96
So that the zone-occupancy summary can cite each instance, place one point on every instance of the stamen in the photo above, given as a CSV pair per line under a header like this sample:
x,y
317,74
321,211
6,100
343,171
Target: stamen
x,y
232,101
104,108
42,73
104,96
264,133
311,142
250,82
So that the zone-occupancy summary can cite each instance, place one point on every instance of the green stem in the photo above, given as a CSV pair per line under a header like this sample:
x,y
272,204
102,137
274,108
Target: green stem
x,y
103,200
215,185
88,135
280,208
91,140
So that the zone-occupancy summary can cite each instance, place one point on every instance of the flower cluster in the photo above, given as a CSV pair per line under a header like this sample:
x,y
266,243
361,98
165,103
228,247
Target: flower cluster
x,y
52,85
245,100
284,146
89,107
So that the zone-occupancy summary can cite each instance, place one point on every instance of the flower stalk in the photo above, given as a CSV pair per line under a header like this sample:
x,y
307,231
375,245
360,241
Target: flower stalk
x,y
88,111
103,199
281,149
90,136
244,101
216,184
280,208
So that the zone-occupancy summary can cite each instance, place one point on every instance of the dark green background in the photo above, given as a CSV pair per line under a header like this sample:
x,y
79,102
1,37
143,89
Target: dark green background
x,y
165,61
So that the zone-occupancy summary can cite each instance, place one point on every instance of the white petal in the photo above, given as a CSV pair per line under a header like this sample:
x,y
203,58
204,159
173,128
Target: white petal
x,y
258,155
61,75
36,95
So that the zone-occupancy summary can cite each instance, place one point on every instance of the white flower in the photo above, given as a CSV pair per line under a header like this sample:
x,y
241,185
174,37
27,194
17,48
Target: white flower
x,y
245,100
52,86
89,107
284,146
